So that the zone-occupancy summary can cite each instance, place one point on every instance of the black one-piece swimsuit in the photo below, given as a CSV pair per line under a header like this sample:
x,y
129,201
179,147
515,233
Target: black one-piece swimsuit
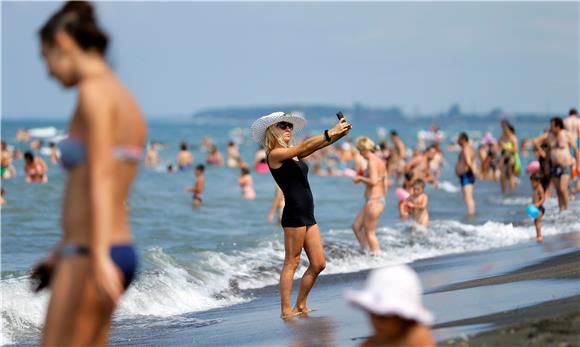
x,y
292,178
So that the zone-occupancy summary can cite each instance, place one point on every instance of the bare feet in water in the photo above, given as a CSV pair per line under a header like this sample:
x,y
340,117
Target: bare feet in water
x,y
296,311
299,311
287,314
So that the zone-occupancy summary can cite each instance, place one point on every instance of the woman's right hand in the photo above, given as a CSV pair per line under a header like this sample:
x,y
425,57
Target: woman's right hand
x,y
340,129
42,271
271,218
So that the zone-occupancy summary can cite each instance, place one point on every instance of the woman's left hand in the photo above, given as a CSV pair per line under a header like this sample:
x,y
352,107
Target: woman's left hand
x,y
107,279
340,129
357,179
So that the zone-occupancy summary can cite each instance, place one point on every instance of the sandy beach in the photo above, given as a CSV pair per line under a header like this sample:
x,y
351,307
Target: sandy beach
x,y
527,292
559,327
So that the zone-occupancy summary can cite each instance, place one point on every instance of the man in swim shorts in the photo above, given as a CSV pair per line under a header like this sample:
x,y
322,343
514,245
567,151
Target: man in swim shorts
x,y
560,145
465,169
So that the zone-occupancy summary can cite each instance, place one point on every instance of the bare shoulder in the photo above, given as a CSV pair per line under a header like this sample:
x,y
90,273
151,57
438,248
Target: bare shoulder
x,y
570,122
93,96
542,137
276,156
39,160
421,337
376,161
94,86
273,151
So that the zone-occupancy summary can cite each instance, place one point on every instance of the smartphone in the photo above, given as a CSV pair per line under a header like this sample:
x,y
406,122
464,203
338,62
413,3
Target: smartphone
x,y
340,116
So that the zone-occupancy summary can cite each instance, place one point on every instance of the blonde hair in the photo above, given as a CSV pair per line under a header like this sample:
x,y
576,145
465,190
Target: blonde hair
x,y
363,143
271,139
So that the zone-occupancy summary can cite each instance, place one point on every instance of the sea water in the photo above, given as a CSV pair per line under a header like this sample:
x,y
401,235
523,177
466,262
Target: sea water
x,y
196,260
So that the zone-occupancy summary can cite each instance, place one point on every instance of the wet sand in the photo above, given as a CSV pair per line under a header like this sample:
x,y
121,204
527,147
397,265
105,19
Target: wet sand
x,y
558,329
550,323
504,295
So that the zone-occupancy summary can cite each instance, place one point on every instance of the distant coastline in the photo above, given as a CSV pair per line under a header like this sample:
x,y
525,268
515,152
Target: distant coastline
x,y
359,112
317,114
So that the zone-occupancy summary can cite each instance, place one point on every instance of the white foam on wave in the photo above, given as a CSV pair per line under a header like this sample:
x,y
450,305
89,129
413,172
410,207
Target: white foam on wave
x,y
512,201
259,267
22,311
167,291
249,269
4,340
448,187
440,238
173,290
215,280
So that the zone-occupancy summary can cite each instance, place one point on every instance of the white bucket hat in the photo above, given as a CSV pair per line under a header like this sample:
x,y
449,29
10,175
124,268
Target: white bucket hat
x,y
394,290
261,124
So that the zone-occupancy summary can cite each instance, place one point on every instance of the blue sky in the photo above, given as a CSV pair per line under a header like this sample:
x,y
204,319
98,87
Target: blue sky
x,y
178,58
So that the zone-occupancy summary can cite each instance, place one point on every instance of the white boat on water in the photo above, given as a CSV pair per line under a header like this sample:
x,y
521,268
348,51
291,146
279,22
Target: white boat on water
x,y
43,133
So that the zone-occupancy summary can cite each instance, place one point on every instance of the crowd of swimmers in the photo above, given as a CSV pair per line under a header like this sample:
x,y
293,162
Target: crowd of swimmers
x,y
95,261
394,163
378,167
391,163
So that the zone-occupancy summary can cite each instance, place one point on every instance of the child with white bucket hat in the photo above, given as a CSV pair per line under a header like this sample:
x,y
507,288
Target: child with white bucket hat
x,y
392,297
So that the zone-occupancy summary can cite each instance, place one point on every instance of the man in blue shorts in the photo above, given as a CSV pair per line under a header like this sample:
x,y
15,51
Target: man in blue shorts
x,y
465,169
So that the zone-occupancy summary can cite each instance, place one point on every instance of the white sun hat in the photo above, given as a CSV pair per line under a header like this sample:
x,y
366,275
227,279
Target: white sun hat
x,y
394,290
261,124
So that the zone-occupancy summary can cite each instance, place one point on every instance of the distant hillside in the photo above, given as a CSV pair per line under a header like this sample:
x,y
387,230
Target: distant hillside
x,y
325,114
314,113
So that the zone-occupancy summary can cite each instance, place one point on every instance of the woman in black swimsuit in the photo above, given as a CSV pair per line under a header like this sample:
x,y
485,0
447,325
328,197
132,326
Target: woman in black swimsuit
x,y
290,173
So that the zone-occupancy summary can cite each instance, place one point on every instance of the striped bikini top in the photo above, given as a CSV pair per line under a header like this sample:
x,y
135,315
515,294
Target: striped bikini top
x,y
73,152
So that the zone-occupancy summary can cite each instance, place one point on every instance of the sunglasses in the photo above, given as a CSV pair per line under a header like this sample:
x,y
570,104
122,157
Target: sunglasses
x,y
285,125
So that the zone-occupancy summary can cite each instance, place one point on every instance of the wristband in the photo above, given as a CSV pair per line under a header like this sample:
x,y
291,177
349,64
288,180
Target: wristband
x,y
326,136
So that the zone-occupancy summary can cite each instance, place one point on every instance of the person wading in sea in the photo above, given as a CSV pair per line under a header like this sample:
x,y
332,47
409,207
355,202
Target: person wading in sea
x,y
275,132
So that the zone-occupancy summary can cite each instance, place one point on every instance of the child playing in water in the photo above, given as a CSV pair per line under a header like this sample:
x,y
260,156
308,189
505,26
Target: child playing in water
x,y
408,186
417,203
247,185
538,201
197,189
35,168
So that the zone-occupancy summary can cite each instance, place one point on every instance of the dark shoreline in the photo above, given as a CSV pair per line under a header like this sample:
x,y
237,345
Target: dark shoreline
x,y
561,328
522,282
509,296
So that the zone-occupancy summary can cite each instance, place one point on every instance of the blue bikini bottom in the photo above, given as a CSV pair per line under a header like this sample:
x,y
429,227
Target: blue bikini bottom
x,y
124,256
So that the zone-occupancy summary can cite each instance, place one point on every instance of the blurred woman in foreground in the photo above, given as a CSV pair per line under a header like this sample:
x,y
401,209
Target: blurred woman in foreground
x,y
95,261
